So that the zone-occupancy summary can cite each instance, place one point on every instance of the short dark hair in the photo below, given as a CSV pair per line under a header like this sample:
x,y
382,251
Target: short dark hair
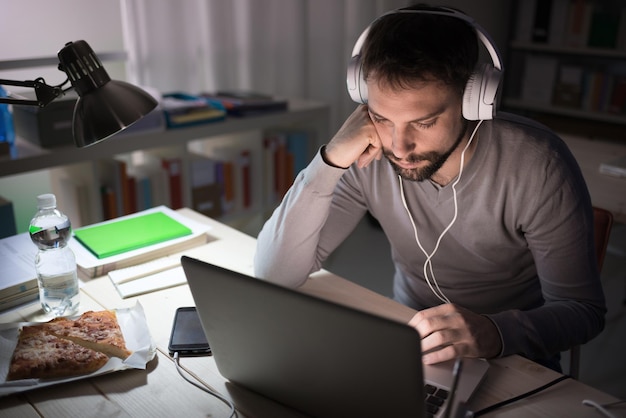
x,y
404,48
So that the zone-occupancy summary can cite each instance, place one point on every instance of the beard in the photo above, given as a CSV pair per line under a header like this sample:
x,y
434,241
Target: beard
x,y
435,161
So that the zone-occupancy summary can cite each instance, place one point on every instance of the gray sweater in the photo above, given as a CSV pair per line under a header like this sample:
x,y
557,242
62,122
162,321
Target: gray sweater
x,y
521,250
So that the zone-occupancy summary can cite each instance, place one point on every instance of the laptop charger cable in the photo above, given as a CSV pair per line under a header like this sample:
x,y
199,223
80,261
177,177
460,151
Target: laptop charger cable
x,y
202,386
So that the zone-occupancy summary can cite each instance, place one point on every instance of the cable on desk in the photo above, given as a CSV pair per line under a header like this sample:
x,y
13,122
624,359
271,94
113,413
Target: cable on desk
x,y
602,408
519,397
233,412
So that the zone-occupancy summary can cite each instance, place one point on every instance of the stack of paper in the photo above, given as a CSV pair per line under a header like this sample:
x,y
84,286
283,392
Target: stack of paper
x,y
19,278
134,239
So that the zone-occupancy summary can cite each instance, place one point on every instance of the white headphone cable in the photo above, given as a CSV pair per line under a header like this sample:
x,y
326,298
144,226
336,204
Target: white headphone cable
x,y
428,263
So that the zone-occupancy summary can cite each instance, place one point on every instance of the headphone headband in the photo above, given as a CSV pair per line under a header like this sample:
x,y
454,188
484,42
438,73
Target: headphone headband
x,y
479,98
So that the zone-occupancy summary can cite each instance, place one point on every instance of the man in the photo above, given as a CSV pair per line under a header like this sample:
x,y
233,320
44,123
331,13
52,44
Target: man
x,y
489,221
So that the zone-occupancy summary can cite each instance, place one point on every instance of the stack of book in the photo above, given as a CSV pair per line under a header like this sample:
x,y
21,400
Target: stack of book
x,y
185,110
19,281
241,103
134,239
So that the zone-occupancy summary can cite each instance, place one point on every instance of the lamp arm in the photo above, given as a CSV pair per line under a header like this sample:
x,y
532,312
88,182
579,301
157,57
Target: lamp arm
x,y
45,93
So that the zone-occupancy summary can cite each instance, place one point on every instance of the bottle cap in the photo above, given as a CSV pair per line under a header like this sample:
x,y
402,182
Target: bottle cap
x,y
46,201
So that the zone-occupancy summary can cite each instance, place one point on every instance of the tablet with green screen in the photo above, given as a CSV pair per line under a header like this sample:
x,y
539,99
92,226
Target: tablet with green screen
x,y
117,237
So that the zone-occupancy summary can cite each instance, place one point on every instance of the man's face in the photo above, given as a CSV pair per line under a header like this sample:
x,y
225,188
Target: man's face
x,y
420,128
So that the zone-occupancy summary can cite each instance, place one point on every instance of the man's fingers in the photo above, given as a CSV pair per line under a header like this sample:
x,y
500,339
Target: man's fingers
x,y
437,356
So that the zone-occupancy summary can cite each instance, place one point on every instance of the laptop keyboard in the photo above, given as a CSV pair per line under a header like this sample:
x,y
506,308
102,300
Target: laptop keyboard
x,y
434,399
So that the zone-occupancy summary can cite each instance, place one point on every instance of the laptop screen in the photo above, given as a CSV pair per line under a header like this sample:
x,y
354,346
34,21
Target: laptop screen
x,y
313,355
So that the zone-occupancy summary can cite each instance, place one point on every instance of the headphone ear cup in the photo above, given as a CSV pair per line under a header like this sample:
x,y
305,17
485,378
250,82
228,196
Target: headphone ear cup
x,y
357,88
479,97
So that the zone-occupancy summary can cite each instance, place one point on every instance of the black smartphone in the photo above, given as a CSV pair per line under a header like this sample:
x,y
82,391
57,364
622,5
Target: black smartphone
x,y
187,338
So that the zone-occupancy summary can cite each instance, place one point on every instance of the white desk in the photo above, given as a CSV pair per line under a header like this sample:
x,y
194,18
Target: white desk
x,y
160,391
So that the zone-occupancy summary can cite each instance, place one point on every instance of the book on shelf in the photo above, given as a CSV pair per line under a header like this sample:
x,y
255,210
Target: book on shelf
x,y
270,195
282,166
246,103
571,23
173,166
603,28
225,179
621,31
74,200
556,26
234,167
246,187
183,109
577,23
115,192
524,22
7,218
89,265
206,195
297,146
19,281
567,89
285,154
617,103
152,184
143,189
539,77
541,21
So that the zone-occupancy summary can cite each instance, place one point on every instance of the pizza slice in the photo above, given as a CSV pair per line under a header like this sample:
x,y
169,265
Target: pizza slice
x,y
40,355
98,330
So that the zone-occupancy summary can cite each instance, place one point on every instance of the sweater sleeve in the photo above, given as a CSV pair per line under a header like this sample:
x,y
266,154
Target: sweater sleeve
x,y
558,227
304,228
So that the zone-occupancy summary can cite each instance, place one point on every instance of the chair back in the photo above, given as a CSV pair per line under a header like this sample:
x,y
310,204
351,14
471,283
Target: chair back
x,y
602,223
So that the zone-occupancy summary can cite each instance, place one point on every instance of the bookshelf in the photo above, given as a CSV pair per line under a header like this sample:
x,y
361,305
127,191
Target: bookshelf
x,y
22,175
566,65
565,68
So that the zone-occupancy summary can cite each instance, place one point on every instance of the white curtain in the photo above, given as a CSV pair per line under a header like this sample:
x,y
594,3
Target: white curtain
x,y
289,48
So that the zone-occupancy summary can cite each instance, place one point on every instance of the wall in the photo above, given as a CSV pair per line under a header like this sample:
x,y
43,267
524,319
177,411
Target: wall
x,y
39,29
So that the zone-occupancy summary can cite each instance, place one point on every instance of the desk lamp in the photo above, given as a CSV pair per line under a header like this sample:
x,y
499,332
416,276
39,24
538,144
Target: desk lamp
x,y
104,106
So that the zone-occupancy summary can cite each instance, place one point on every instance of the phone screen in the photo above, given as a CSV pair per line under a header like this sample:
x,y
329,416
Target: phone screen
x,y
187,336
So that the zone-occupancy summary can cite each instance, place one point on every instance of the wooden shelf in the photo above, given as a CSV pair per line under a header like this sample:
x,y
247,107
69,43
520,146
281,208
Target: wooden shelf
x,y
30,157
76,175
565,111
565,50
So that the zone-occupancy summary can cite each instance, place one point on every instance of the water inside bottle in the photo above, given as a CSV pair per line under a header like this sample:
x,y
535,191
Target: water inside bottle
x,y
53,237
58,294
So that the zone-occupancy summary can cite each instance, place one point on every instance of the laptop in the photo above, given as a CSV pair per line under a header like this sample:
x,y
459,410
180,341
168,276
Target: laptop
x,y
318,357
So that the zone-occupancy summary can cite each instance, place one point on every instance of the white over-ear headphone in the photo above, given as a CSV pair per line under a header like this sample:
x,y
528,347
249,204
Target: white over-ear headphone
x,y
479,97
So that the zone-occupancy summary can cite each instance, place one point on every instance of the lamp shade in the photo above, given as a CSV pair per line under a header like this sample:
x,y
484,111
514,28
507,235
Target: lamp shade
x,y
104,106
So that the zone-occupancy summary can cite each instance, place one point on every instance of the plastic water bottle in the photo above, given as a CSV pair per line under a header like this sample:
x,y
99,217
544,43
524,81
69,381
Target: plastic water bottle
x,y
55,262
7,131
